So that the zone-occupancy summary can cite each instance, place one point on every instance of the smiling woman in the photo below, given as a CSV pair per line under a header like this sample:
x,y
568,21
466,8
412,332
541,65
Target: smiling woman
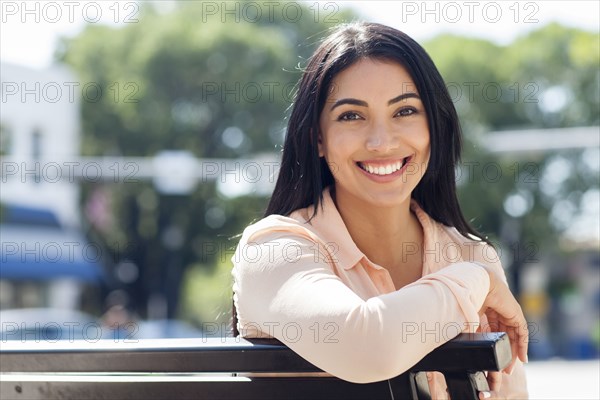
x,y
364,262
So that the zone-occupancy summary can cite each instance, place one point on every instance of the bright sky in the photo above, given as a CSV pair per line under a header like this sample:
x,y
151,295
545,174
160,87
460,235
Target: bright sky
x,y
500,21
29,31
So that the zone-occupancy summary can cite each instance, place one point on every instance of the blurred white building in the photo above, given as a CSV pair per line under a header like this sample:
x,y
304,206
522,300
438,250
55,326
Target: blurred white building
x,y
40,122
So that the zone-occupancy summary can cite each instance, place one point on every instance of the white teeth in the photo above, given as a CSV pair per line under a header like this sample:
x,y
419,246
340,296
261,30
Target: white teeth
x,y
383,169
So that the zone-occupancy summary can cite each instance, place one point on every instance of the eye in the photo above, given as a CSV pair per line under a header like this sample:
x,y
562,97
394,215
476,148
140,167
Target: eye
x,y
406,111
349,116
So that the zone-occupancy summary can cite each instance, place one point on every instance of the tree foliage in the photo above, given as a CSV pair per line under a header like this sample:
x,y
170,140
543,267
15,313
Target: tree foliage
x,y
184,79
549,78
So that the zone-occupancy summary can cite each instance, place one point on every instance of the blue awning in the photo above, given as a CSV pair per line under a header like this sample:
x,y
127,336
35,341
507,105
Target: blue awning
x,y
29,252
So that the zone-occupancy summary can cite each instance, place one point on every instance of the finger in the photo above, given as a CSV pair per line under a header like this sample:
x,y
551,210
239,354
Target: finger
x,y
524,343
509,315
500,326
519,337
514,347
493,321
518,332
503,309
494,380
510,367
516,350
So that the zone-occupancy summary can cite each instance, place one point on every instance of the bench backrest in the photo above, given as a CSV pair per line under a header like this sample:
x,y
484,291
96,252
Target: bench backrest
x,y
213,368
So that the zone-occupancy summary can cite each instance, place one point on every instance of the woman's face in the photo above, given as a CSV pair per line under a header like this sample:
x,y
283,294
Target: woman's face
x,y
374,133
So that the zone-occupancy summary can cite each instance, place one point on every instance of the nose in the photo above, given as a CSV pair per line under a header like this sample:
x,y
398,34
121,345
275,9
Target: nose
x,y
381,138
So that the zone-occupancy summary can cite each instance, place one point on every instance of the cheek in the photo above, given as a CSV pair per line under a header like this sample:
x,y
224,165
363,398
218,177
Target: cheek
x,y
338,152
422,144
426,145
426,159
426,154
424,139
335,144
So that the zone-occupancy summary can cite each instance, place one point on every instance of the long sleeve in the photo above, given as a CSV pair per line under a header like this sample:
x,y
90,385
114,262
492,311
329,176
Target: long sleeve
x,y
282,290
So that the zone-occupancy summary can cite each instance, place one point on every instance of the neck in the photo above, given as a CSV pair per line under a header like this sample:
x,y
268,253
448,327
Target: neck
x,y
383,234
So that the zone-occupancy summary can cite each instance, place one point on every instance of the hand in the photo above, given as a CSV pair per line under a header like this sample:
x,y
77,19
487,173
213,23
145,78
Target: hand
x,y
505,315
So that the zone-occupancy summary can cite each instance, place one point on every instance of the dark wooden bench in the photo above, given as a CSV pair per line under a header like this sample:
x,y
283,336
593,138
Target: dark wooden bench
x,y
213,369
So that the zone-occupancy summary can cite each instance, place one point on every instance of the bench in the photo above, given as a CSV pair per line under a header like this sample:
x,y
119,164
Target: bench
x,y
212,368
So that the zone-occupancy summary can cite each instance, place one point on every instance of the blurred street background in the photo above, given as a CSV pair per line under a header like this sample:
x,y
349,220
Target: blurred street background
x,y
138,139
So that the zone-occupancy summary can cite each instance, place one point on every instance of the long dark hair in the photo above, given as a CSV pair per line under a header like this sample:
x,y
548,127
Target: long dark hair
x,y
303,174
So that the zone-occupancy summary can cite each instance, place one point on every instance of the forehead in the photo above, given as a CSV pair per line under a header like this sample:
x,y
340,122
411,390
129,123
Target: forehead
x,y
371,77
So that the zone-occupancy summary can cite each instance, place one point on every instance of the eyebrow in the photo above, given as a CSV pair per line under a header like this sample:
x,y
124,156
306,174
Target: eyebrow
x,y
363,103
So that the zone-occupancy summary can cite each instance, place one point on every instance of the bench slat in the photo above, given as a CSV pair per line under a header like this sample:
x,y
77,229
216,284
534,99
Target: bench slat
x,y
257,388
475,352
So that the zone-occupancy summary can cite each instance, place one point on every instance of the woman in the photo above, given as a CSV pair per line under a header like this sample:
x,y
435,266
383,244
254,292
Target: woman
x,y
364,262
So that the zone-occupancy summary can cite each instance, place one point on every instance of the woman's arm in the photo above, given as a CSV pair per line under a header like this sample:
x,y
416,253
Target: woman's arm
x,y
299,300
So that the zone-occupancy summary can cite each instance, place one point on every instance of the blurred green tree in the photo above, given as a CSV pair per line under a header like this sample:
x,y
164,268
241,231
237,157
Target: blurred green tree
x,y
548,78
215,82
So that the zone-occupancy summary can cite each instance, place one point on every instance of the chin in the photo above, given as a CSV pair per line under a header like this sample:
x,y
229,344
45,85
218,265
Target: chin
x,y
387,200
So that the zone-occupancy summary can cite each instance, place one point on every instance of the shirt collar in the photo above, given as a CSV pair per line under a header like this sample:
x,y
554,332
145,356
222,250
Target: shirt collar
x,y
427,223
431,237
330,227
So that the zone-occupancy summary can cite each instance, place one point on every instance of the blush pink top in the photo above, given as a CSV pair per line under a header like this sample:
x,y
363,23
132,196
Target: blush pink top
x,y
308,285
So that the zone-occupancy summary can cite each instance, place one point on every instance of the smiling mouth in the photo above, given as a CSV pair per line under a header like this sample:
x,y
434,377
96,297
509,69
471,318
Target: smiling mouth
x,y
383,169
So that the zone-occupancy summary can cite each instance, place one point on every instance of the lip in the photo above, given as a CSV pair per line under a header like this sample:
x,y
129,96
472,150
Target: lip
x,y
385,178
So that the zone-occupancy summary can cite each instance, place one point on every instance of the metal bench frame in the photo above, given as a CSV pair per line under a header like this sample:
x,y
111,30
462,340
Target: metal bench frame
x,y
213,369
